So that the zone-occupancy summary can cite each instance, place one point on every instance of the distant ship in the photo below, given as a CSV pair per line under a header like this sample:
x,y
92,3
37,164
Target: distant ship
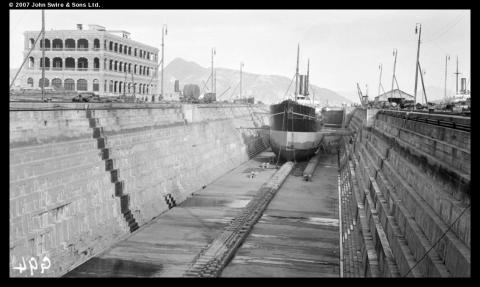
x,y
293,124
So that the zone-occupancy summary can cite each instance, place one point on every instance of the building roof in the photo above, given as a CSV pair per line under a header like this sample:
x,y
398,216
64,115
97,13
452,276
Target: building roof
x,y
396,93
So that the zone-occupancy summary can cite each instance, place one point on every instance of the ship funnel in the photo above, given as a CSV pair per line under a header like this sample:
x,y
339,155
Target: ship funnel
x,y
463,85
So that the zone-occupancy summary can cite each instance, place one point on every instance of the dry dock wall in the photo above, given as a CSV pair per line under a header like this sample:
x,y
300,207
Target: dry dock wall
x,y
403,184
83,176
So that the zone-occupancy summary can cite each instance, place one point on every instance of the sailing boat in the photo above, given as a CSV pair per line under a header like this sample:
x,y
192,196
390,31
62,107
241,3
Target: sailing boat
x,y
293,125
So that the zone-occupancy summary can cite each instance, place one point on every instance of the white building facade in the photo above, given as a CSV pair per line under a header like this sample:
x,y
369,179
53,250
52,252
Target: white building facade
x,y
91,60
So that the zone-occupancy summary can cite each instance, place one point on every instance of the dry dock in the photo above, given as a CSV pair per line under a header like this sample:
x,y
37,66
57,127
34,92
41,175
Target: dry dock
x,y
180,190
296,236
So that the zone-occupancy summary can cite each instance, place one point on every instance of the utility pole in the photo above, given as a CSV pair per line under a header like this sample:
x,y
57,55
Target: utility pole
x,y
213,53
447,57
395,52
164,32
296,73
43,54
418,28
457,73
241,66
380,79
307,81
423,84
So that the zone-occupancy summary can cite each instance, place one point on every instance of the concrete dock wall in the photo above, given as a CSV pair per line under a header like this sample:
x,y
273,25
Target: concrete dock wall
x,y
83,177
415,179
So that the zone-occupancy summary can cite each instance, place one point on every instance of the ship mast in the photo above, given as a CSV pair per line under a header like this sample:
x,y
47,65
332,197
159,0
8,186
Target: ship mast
x,y
307,82
457,73
296,73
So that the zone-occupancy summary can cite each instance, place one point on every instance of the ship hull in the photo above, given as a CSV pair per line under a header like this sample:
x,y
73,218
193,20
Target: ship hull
x,y
293,131
295,146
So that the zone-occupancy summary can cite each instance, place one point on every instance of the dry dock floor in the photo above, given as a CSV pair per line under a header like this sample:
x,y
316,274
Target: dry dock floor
x,y
297,235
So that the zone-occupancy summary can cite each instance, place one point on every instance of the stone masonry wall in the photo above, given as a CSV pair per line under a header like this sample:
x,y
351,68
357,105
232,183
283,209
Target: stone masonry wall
x,y
82,178
415,180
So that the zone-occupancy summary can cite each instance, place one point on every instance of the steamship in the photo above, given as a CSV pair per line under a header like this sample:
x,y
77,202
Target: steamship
x,y
293,123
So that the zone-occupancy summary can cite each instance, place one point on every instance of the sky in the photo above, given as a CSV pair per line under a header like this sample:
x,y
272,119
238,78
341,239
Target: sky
x,y
344,46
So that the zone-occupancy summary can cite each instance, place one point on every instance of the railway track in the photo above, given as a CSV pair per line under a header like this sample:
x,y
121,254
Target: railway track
x,y
213,258
439,119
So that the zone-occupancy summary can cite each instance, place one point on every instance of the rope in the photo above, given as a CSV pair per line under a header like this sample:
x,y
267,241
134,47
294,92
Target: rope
x,y
455,22
445,233
288,87
24,60
293,130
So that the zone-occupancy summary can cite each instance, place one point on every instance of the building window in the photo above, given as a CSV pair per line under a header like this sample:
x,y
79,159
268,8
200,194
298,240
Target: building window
x,y
31,43
30,82
135,52
57,63
96,86
96,44
110,88
31,62
110,66
82,85
82,64
110,47
47,44
69,63
57,44
47,83
96,64
47,63
57,83
70,44
115,47
69,85
130,51
105,45
82,44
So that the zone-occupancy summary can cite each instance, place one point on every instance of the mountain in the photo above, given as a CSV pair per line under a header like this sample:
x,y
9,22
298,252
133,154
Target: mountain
x,y
266,88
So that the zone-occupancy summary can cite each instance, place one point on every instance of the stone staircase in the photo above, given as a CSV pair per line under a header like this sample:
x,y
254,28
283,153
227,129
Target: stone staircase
x,y
99,135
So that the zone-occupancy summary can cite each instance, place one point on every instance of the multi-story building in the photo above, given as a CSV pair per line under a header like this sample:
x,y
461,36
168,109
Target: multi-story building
x,y
107,63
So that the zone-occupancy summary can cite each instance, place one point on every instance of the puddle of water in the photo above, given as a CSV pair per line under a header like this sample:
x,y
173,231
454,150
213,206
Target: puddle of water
x,y
214,202
226,219
239,203
263,235
308,220
112,267
323,221
247,259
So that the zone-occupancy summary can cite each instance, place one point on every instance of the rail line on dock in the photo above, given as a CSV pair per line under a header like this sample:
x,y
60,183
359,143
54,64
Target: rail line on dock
x,y
212,259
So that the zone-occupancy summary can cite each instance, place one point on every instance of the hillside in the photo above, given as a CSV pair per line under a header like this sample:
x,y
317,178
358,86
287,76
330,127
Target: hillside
x,y
266,88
